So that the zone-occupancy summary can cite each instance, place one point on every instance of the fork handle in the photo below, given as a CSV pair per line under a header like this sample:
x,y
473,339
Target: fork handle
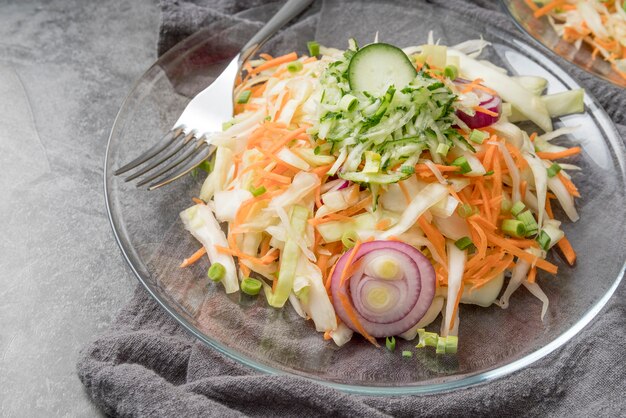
x,y
289,10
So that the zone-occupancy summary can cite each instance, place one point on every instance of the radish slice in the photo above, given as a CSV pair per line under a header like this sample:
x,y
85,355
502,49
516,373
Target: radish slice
x,y
385,303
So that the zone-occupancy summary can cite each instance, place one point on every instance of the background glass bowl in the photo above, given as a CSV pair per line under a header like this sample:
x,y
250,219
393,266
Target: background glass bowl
x,y
493,342
541,30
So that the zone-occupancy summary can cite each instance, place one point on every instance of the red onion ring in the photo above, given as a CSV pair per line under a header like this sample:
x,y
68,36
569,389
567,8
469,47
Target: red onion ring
x,y
412,305
487,101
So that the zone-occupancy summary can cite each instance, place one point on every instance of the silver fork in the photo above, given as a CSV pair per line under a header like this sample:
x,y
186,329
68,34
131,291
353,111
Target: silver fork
x,y
187,145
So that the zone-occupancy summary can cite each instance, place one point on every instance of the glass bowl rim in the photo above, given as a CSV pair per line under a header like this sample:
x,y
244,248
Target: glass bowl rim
x,y
420,389
550,51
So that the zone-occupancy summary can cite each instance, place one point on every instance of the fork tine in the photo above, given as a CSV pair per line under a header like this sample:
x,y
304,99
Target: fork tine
x,y
192,150
166,140
163,158
193,163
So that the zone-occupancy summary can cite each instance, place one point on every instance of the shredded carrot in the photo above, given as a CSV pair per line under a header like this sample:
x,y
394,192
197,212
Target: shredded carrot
x,y
194,257
286,139
277,178
275,62
519,253
245,270
569,185
485,111
266,57
198,201
522,188
383,224
434,236
347,306
561,154
267,259
532,275
566,248
532,5
346,268
327,335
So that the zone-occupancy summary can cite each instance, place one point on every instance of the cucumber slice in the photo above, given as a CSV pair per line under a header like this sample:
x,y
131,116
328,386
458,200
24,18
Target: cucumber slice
x,y
375,67
377,178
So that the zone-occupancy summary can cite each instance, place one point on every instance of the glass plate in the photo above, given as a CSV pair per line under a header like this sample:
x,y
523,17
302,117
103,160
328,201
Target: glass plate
x,y
541,30
493,342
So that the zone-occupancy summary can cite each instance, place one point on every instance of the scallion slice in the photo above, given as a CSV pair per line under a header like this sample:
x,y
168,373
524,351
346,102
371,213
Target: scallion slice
x,y
244,97
451,72
544,240
258,191
294,66
348,103
477,136
251,286
314,48
216,272
553,170
463,164
349,239
517,208
529,222
442,149
407,354
463,243
514,228
390,342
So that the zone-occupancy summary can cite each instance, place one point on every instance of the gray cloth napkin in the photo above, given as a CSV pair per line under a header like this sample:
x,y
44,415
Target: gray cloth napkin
x,y
147,365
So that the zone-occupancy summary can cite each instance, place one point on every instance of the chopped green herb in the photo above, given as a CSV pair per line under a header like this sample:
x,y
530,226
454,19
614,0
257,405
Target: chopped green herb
x,y
466,210
294,66
529,222
349,239
442,149
407,354
408,169
488,173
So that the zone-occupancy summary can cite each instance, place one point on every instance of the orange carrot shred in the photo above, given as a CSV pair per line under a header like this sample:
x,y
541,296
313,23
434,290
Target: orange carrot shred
x,y
194,257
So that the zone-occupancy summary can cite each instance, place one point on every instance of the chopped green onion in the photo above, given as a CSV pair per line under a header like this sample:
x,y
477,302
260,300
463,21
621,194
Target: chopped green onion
x,y
514,228
227,125
244,97
488,173
251,286
466,210
447,345
451,72
259,191
314,48
442,149
463,243
463,164
517,208
426,339
553,170
407,354
294,66
529,222
268,118
349,239
477,136
216,272
317,150
390,342
407,169
544,240
348,103
206,166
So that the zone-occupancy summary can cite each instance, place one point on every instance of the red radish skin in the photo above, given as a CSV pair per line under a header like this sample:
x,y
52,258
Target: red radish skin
x,y
415,302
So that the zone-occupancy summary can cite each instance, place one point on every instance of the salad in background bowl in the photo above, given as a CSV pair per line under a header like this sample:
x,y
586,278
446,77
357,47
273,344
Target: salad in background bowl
x,y
374,189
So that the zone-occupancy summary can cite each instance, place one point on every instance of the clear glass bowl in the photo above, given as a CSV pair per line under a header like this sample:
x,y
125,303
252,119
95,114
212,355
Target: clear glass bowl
x,y
541,30
493,342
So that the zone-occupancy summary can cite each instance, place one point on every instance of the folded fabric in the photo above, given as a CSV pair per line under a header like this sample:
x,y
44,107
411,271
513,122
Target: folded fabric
x,y
147,365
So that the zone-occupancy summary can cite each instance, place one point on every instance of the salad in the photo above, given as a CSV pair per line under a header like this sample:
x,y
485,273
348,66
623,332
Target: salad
x,y
376,188
597,23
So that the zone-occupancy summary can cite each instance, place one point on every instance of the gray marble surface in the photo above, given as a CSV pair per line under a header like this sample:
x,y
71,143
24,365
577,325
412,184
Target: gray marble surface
x,y
65,67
